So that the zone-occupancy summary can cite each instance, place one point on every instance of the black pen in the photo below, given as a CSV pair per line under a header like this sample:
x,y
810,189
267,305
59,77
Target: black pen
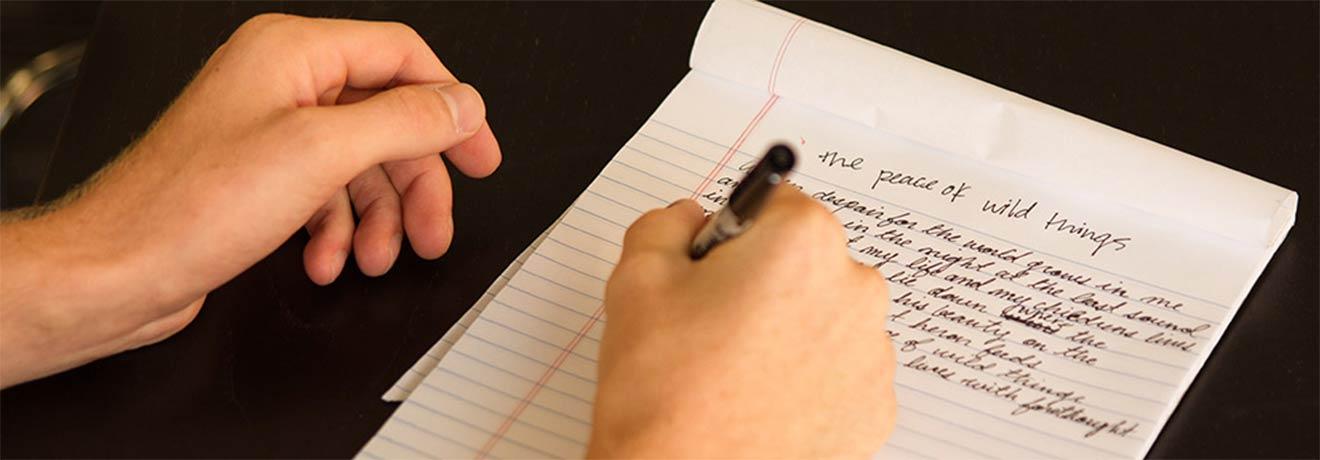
x,y
746,201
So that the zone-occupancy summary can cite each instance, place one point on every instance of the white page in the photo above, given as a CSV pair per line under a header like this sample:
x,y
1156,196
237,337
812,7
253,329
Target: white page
x,y
521,381
886,89
553,301
896,93
420,369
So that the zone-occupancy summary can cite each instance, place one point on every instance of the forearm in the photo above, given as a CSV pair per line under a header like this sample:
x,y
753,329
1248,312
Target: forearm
x,y
51,288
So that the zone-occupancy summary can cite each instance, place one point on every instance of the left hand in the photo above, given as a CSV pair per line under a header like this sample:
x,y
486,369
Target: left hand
x,y
292,122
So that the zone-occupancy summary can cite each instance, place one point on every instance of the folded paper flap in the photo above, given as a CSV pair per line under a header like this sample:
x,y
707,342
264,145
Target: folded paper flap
x,y
797,59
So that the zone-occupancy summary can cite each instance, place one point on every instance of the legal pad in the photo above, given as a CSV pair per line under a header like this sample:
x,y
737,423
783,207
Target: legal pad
x,y
1056,284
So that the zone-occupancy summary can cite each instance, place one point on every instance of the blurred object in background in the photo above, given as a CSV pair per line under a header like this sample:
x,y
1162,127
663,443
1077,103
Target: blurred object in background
x,y
43,73
54,31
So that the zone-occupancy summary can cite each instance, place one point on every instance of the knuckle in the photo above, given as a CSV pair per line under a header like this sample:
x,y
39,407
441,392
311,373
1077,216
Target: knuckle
x,y
265,19
261,23
637,273
273,33
815,215
408,34
799,208
810,224
873,281
642,224
402,30
260,32
651,217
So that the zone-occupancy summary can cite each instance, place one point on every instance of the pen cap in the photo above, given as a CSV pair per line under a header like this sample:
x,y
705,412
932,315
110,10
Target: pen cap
x,y
747,199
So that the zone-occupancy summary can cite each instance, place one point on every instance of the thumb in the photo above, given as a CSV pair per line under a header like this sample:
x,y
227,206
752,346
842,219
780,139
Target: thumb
x,y
664,232
401,123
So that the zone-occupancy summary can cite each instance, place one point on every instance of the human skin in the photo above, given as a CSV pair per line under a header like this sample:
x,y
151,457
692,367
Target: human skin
x,y
292,123
772,345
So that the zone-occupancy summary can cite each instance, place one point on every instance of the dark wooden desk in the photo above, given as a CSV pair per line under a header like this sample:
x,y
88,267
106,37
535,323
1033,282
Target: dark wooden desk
x,y
276,367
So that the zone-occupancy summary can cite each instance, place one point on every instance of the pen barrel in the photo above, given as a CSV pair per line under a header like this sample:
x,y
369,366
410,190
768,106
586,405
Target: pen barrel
x,y
721,226
746,200
751,194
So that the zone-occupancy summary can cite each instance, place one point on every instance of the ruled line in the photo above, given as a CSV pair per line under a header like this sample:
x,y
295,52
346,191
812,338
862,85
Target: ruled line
x,y
914,211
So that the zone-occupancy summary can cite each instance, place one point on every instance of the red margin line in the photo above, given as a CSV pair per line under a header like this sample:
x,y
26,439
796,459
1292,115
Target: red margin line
x,y
710,177
779,58
595,318
540,383
769,103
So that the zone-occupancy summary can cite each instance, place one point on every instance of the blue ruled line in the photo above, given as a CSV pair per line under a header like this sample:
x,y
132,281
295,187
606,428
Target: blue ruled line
x,y
1120,317
695,136
1113,371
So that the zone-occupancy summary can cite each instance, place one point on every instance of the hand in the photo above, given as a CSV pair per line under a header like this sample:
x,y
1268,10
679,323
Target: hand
x,y
773,345
292,122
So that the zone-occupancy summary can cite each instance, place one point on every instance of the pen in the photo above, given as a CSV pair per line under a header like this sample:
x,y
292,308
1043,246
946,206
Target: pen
x,y
746,201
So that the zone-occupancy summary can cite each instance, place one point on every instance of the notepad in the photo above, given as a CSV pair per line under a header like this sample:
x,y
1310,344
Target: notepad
x,y
419,370
1055,284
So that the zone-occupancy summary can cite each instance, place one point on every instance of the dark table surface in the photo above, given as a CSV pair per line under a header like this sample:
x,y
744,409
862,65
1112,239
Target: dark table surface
x,y
277,367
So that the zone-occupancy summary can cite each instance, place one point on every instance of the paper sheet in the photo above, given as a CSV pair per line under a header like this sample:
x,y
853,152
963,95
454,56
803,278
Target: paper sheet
x,y
419,370
897,93
1032,319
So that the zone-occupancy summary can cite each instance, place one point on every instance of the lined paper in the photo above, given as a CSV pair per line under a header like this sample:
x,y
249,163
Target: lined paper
x,y
419,370
1030,319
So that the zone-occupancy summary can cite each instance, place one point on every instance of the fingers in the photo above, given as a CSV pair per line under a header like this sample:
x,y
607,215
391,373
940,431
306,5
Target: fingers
x,y
787,204
331,228
421,185
337,53
665,232
796,220
372,54
349,95
402,123
379,230
798,231
427,203
478,156
370,93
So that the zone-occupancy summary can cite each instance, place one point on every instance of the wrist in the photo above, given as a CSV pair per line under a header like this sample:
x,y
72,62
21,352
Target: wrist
x,y
64,301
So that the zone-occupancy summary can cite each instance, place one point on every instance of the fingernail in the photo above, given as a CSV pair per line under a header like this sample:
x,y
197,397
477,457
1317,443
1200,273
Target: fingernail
x,y
673,204
465,106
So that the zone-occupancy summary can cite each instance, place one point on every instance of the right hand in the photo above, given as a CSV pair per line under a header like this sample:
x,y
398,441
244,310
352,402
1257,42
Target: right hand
x,y
773,345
